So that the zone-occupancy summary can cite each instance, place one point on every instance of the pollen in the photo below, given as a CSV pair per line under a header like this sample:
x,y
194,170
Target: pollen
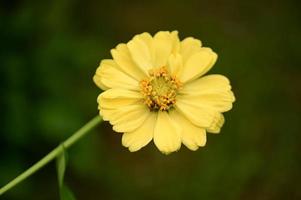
x,y
160,89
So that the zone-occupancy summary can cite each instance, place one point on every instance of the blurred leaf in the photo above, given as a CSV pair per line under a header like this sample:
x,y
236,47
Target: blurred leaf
x,y
61,166
66,193
61,162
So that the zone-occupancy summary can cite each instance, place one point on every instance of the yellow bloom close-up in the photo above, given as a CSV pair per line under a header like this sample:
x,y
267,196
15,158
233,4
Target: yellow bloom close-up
x,y
156,89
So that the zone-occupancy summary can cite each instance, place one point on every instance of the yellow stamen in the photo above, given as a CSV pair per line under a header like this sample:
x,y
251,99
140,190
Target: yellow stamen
x,y
160,89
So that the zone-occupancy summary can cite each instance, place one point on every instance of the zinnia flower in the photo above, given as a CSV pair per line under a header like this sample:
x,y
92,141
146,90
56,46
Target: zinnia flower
x,y
155,89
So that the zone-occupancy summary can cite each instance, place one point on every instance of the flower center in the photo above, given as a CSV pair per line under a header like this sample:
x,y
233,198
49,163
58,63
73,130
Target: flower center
x,y
160,89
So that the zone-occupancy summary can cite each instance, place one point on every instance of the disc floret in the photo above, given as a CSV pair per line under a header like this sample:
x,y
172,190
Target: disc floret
x,y
160,89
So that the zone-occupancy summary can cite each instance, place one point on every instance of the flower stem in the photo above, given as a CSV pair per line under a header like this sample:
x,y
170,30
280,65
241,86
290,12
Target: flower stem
x,y
53,154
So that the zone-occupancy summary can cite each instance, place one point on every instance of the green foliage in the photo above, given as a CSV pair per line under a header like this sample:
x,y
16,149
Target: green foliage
x,y
61,162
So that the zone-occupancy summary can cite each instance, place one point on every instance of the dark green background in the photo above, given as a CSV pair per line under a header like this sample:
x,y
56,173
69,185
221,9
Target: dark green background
x,y
49,53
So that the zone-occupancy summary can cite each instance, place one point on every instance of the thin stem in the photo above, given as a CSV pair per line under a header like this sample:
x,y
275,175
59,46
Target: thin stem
x,y
53,154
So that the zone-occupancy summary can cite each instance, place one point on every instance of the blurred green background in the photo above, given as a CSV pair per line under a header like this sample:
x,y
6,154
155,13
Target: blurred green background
x,y
50,51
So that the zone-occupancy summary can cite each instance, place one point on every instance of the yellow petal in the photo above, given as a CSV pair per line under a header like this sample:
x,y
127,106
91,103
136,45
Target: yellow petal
x,y
217,124
141,136
140,48
212,91
176,42
167,133
199,115
207,83
198,64
123,108
97,81
125,118
108,75
122,57
175,64
116,98
189,46
130,121
165,43
192,136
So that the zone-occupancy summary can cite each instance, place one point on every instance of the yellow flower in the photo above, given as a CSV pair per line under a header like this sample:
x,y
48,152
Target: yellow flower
x,y
155,89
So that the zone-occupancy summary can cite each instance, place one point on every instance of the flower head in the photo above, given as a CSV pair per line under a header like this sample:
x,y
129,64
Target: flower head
x,y
155,89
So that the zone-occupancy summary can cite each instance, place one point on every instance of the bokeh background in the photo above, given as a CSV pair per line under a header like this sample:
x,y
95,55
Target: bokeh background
x,y
49,53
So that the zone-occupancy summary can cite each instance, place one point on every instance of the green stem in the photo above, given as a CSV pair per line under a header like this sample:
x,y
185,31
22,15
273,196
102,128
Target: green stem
x,y
53,154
